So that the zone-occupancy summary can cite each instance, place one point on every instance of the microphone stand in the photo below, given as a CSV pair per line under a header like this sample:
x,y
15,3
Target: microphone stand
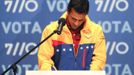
x,y
14,67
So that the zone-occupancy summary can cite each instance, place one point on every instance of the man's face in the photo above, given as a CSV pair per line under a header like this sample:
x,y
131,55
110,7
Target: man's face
x,y
75,19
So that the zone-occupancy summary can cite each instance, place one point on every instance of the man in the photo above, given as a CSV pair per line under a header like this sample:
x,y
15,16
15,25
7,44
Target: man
x,y
81,45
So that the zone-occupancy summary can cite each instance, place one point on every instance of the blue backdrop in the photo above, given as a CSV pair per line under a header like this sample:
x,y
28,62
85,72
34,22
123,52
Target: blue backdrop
x,y
22,22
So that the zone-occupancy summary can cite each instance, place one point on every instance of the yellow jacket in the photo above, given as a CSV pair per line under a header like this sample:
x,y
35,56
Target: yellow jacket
x,y
90,34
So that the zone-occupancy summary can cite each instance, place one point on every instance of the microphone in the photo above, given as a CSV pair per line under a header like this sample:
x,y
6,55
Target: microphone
x,y
61,23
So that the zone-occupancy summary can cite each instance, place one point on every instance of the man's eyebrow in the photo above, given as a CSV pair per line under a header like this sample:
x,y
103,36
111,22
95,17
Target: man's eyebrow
x,y
76,19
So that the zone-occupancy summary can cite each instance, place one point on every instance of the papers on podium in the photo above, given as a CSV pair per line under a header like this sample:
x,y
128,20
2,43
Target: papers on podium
x,y
65,73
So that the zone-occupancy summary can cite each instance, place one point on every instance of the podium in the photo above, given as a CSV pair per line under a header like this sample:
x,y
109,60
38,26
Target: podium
x,y
65,73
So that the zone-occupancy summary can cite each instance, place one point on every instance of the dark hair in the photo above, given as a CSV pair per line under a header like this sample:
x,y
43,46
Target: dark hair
x,y
80,6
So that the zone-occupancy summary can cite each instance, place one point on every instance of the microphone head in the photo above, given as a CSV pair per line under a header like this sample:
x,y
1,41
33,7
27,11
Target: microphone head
x,y
62,21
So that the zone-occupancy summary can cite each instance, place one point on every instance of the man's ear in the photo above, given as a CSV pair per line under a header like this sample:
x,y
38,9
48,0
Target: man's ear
x,y
67,12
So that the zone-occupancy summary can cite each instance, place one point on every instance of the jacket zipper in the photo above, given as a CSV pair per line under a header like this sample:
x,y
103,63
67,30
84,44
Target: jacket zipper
x,y
75,56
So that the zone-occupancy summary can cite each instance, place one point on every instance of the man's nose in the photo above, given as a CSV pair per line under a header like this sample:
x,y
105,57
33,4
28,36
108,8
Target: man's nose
x,y
76,23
